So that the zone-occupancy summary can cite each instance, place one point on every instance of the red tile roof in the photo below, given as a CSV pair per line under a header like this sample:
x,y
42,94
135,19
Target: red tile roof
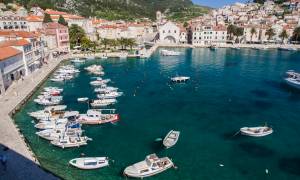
x,y
54,25
33,18
23,34
19,42
53,12
6,52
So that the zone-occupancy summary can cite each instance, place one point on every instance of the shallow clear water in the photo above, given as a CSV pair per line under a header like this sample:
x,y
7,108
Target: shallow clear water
x,y
228,89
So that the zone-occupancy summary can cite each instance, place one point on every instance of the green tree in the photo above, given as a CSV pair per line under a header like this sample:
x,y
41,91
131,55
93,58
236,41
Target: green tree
x,y
252,31
185,24
239,32
62,21
131,42
231,30
283,35
296,34
86,43
270,33
105,42
76,34
47,18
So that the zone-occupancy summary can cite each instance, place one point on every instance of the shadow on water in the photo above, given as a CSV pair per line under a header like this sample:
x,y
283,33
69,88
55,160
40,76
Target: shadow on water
x,y
232,135
256,150
262,104
290,165
260,93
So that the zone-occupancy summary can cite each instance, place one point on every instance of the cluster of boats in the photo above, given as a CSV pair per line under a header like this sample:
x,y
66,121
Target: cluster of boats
x,y
64,73
95,69
50,96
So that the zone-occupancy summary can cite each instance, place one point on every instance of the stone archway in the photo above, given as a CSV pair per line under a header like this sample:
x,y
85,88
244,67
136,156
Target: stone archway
x,y
170,39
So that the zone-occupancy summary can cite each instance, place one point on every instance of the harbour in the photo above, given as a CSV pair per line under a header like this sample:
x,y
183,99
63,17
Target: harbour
x,y
228,89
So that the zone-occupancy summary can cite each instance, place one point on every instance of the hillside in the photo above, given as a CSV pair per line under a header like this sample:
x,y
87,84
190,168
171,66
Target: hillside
x,y
122,9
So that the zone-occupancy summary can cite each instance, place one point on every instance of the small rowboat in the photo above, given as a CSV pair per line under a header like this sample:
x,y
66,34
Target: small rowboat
x,y
256,131
171,138
83,99
89,162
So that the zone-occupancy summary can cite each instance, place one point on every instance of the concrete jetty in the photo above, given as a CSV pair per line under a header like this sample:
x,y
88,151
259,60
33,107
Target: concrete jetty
x,y
20,161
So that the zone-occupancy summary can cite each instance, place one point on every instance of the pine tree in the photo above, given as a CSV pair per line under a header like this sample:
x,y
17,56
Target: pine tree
x,y
62,21
47,18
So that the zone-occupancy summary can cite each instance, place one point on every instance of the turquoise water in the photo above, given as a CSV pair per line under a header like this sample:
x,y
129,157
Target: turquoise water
x,y
228,89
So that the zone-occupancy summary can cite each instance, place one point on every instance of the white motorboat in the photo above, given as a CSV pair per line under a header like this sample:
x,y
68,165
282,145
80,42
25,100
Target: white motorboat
x,y
103,102
213,47
70,141
171,138
287,48
98,116
151,166
53,98
256,131
46,112
47,102
51,93
90,162
77,60
99,82
58,79
57,124
180,79
293,79
105,89
109,95
55,134
83,99
169,53
94,68
47,89
53,115
103,57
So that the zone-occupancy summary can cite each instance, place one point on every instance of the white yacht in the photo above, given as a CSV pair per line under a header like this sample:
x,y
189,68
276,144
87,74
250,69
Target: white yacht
x,y
256,131
47,102
293,79
171,138
89,162
53,115
70,141
82,99
51,88
151,166
98,116
169,53
109,95
103,102
180,79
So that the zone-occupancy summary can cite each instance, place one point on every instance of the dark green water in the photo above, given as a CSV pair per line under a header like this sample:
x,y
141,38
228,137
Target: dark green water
x,y
229,89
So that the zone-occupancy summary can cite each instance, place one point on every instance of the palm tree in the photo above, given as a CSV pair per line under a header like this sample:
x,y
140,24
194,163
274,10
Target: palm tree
x,y
283,35
252,31
270,33
239,32
105,42
296,33
131,42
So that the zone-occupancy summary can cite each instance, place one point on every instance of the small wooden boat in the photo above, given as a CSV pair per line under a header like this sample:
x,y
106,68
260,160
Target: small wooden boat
x,y
171,138
151,166
83,99
259,131
89,162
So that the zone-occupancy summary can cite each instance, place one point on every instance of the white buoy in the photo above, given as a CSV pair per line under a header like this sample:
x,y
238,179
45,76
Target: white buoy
x,y
267,171
221,165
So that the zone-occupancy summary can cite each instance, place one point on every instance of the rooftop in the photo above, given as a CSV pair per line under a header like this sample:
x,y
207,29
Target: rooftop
x,y
6,52
19,42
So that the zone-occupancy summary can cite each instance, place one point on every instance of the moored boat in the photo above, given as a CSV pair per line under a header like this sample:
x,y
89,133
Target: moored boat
x,y
151,166
70,141
259,131
83,99
180,79
109,95
169,53
293,79
171,138
90,162
98,116
103,102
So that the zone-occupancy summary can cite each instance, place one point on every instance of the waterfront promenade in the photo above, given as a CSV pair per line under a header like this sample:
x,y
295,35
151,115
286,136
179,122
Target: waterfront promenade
x,y
21,162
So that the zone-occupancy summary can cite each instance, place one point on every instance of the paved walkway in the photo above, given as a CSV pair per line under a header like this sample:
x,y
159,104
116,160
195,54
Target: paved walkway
x,y
21,163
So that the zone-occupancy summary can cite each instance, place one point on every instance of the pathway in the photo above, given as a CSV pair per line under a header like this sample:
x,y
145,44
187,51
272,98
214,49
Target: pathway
x,y
21,162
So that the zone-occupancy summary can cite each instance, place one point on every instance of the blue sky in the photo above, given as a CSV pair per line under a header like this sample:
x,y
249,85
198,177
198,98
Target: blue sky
x,y
216,3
